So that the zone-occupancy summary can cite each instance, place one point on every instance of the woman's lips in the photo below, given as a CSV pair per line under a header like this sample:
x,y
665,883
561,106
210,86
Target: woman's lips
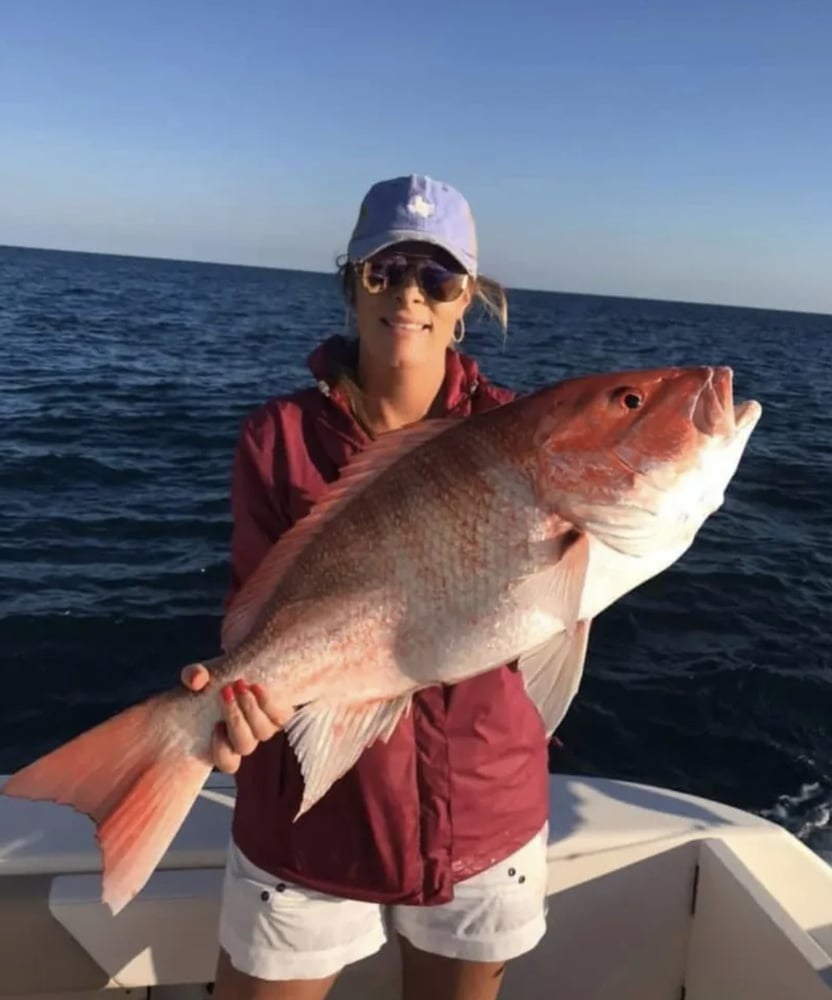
x,y
405,326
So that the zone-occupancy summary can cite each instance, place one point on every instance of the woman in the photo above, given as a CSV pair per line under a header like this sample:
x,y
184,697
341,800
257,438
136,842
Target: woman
x,y
440,833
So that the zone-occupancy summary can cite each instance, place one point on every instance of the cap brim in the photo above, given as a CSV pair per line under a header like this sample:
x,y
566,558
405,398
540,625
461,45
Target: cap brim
x,y
364,248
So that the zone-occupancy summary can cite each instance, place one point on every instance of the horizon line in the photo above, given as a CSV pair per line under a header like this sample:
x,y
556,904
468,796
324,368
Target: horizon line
x,y
509,288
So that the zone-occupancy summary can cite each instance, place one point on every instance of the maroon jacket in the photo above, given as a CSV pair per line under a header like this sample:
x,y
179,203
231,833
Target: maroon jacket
x,y
463,781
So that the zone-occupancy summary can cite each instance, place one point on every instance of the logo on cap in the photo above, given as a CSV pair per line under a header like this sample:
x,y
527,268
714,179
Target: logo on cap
x,y
420,206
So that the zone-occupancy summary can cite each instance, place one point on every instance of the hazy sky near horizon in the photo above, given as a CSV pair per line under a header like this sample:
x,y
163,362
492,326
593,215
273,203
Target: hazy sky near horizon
x,y
668,150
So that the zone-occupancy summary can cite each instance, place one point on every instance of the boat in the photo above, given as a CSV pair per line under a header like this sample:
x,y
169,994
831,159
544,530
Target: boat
x,y
653,895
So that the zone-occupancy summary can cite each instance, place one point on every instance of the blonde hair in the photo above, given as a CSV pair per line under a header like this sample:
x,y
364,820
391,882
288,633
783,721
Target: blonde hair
x,y
488,294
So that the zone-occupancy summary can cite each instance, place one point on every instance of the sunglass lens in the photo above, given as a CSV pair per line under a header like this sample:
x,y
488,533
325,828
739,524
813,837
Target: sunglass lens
x,y
440,283
383,272
437,282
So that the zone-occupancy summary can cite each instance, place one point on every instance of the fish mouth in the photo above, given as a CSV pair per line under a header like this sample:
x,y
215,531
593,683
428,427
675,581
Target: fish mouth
x,y
716,414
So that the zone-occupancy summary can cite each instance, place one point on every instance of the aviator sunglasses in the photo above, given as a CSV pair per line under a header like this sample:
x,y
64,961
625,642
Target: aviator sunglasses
x,y
390,271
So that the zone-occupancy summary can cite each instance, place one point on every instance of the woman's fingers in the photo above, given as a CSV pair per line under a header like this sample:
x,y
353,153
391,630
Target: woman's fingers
x,y
195,676
260,711
277,712
261,726
251,715
240,734
224,756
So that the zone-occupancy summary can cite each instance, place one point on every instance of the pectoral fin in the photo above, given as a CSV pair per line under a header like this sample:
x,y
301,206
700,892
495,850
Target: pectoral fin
x,y
329,738
556,590
553,672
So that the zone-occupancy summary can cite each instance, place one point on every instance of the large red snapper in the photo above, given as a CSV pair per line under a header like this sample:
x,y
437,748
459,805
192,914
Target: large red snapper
x,y
443,551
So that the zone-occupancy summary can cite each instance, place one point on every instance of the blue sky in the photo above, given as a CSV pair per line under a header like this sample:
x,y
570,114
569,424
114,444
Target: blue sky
x,y
672,150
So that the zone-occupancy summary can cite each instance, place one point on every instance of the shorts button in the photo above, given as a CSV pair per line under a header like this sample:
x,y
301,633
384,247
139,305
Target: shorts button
x,y
512,872
281,887
264,896
522,878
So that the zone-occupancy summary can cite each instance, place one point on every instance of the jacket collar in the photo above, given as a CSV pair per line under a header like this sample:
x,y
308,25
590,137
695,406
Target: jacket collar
x,y
462,374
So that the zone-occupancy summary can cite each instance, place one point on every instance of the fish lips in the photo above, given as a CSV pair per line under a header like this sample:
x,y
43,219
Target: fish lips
x,y
715,413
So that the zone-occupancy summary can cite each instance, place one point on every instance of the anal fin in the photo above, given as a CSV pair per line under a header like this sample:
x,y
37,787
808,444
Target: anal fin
x,y
329,738
552,673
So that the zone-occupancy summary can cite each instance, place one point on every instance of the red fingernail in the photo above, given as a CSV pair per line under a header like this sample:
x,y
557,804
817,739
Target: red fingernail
x,y
228,694
257,689
240,686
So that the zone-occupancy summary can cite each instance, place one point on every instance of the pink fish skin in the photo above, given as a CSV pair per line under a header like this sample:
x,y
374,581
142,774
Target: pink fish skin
x,y
444,550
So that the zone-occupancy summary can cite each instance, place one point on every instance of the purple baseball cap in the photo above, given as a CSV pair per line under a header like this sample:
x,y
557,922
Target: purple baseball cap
x,y
415,207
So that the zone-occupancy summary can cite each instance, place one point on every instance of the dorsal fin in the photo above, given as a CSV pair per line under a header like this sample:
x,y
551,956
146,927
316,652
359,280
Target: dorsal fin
x,y
355,476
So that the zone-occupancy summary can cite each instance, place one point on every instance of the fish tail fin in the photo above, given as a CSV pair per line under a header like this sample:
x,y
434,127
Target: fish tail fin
x,y
133,779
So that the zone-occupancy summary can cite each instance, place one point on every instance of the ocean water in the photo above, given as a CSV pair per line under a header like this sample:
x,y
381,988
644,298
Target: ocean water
x,y
122,384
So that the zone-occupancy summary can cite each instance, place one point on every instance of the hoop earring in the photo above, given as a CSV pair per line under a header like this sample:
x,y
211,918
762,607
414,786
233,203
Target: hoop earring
x,y
459,331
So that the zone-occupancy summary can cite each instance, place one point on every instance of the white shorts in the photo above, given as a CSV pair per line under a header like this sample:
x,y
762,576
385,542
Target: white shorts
x,y
277,930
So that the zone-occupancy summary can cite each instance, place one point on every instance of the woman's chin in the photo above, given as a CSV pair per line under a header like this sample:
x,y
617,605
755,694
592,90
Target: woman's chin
x,y
407,350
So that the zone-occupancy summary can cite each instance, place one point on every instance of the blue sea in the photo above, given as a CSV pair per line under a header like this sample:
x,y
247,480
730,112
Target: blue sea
x,y
122,385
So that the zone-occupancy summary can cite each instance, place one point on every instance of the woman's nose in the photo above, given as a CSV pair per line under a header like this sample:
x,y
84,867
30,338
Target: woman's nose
x,y
409,290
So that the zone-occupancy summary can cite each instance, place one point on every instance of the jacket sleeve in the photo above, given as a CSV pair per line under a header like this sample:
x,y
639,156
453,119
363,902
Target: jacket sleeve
x,y
258,514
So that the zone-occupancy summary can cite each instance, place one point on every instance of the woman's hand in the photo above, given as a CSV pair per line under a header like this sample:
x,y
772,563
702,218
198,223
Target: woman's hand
x,y
251,716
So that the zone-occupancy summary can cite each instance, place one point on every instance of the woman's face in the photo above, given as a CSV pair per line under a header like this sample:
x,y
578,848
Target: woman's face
x,y
401,325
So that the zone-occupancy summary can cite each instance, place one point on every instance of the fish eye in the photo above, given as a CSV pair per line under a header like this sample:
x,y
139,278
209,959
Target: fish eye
x,y
630,399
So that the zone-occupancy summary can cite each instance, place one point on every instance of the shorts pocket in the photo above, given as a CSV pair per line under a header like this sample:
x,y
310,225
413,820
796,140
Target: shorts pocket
x,y
264,891
525,870
274,926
